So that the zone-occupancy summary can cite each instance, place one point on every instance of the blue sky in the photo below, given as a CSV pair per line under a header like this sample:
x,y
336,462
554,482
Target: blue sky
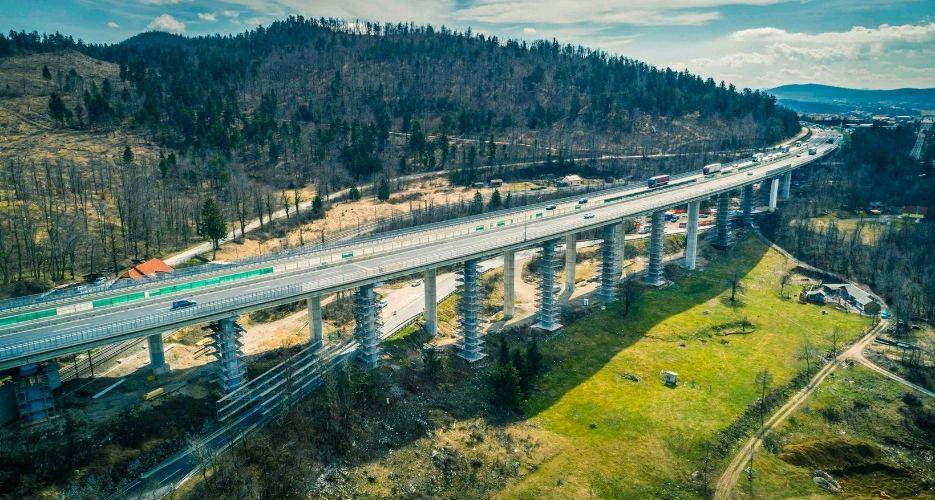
x,y
752,43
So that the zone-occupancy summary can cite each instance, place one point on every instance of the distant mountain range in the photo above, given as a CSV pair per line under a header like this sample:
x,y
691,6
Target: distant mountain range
x,y
815,98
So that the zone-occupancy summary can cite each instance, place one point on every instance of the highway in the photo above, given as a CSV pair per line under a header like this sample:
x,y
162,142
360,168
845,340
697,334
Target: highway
x,y
373,260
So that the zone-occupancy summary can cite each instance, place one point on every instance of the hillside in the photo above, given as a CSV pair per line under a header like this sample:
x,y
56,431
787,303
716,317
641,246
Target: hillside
x,y
814,98
312,106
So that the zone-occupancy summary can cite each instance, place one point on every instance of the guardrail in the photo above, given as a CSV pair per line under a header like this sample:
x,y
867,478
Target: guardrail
x,y
209,270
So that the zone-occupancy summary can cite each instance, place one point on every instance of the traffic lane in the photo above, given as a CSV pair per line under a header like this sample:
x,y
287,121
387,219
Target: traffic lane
x,y
565,204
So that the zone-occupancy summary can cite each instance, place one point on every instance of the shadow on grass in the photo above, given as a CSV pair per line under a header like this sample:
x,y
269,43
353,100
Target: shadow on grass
x,y
363,416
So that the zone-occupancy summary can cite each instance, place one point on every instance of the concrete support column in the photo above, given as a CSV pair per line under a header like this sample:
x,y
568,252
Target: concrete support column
x,y
621,247
509,283
231,371
746,204
157,355
655,272
367,327
547,315
316,332
723,237
33,384
610,262
471,347
773,194
691,235
571,258
764,190
786,185
430,284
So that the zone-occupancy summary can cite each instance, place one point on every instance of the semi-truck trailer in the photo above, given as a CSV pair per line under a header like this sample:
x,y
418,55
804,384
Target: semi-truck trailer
x,y
657,180
711,168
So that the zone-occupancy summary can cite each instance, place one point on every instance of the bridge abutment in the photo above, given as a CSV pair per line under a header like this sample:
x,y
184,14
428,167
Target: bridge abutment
x,y
547,314
33,384
655,271
773,194
367,327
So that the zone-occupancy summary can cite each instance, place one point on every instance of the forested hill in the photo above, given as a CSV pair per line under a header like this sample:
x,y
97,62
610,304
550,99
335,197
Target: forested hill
x,y
110,153
303,93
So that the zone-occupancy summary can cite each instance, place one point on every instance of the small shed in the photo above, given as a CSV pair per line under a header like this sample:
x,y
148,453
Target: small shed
x,y
496,182
671,378
571,180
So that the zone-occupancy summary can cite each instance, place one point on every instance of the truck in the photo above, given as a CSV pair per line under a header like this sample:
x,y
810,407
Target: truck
x,y
813,151
712,168
757,157
657,181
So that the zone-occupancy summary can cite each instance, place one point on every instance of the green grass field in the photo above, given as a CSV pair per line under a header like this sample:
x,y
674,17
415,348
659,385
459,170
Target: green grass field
x,y
859,428
618,438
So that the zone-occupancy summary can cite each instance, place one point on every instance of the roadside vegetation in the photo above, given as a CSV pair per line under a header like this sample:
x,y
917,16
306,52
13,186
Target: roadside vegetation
x,y
594,418
859,435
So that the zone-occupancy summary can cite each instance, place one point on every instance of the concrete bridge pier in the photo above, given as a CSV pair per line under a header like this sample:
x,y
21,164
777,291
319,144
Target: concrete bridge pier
x,y
610,264
367,327
231,371
33,384
786,189
571,259
691,235
764,190
316,332
746,204
509,283
547,315
655,271
471,347
430,284
773,194
723,237
622,248
157,355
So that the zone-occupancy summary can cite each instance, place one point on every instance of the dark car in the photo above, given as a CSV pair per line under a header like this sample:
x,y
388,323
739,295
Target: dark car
x,y
182,304
550,207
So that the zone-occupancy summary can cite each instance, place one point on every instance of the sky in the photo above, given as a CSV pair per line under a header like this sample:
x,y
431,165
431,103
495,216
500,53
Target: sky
x,y
751,43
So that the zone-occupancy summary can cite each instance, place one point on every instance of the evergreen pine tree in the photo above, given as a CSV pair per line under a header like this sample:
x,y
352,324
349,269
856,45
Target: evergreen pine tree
x,y
383,191
213,225
495,201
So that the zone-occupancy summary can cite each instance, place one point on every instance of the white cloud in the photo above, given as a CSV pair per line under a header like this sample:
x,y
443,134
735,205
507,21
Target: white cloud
x,y
529,31
632,12
884,56
167,23
208,16
112,24
233,14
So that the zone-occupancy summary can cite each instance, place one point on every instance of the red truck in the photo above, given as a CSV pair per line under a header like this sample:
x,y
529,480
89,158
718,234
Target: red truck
x,y
657,181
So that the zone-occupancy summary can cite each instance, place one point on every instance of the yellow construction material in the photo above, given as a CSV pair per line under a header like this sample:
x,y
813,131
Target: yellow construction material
x,y
153,394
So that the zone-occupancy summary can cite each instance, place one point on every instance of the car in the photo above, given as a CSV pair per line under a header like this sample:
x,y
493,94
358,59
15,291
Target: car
x,y
415,283
182,304
582,201
383,304
749,173
550,207
589,215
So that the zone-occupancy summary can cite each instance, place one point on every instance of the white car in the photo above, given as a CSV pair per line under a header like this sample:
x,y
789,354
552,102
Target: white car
x,y
415,283
589,215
